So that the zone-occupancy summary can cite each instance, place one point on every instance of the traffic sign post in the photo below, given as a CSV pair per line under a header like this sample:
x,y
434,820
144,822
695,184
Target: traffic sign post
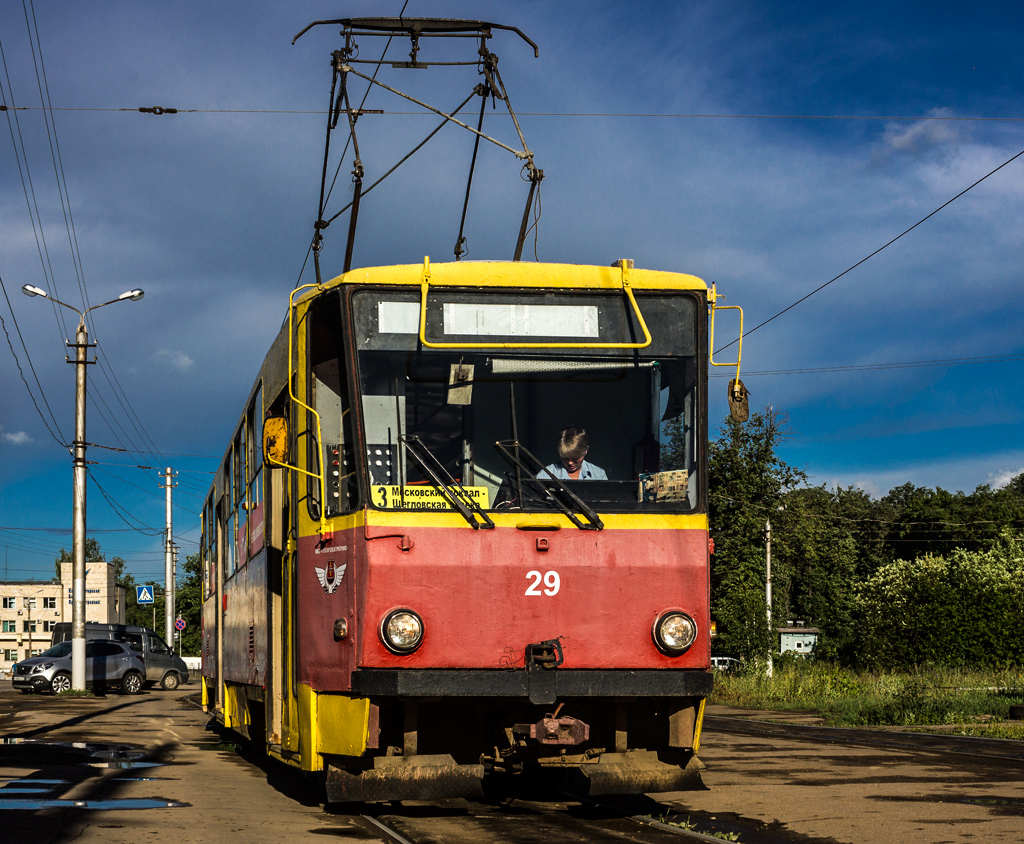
x,y
179,626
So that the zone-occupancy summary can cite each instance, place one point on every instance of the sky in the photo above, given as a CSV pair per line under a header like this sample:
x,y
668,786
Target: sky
x,y
767,148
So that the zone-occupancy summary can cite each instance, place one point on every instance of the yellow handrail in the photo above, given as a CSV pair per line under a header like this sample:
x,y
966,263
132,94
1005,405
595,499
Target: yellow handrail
x,y
425,287
321,475
712,300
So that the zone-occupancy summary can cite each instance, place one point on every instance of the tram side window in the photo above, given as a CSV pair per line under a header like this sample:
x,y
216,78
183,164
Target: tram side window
x,y
330,400
254,465
240,504
229,515
208,546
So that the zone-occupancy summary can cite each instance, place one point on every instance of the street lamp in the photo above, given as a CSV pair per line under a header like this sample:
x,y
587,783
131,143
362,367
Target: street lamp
x,y
80,345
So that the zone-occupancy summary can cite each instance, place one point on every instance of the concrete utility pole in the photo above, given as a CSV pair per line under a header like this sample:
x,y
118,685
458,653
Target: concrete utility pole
x,y
80,346
768,589
168,567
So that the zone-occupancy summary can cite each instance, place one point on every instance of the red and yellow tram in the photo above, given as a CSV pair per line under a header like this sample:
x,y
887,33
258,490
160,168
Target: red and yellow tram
x,y
400,594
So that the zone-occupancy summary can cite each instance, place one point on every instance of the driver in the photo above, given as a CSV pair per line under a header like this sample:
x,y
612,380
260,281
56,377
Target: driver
x,y
572,449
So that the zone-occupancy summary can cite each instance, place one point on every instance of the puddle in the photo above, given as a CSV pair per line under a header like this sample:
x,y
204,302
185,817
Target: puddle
x,y
36,793
107,805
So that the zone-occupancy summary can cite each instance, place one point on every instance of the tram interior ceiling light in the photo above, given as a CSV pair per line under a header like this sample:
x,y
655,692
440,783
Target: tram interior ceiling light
x,y
401,631
674,632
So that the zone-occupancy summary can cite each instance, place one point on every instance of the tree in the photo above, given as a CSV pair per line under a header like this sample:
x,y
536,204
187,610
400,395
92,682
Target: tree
x,y
189,605
747,481
817,562
93,554
966,608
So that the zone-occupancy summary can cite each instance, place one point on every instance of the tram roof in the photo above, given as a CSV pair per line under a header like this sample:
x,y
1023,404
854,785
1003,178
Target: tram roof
x,y
496,274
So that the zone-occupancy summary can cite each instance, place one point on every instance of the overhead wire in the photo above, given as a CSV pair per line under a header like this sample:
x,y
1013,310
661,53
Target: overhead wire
x,y
928,216
613,114
107,414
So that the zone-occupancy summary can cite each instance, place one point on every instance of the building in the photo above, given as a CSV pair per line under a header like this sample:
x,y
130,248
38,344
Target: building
x,y
30,608
797,639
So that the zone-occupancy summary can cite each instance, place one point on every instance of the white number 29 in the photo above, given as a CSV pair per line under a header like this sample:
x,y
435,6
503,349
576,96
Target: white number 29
x,y
550,579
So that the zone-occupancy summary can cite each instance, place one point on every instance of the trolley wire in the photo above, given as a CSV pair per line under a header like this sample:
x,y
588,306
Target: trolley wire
x,y
818,289
110,418
158,110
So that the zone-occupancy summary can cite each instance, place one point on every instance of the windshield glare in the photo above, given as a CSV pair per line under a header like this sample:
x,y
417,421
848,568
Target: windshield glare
x,y
615,426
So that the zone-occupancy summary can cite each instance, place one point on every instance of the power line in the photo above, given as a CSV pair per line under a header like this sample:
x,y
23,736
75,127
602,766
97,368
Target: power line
x,y
157,110
870,367
879,249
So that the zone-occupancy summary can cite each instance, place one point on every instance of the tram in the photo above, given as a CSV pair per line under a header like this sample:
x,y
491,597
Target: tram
x,y
458,540
401,590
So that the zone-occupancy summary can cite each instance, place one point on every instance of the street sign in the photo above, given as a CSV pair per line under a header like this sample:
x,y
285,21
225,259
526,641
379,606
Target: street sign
x,y
144,594
179,624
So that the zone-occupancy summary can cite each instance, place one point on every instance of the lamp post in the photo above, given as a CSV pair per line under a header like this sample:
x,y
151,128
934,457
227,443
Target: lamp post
x,y
80,345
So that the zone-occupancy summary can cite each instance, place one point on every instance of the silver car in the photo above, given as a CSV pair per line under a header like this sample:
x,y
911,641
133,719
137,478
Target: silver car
x,y
107,665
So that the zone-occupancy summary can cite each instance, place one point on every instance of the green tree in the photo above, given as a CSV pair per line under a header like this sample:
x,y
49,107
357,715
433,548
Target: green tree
x,y
188,602
963,609
747,481
93,554
816,555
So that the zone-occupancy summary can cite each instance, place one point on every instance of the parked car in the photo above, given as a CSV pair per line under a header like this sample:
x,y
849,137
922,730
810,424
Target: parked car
x,y
162,665
724,663
107,665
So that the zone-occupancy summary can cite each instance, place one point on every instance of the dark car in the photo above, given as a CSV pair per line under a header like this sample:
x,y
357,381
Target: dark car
x,y
108,665
162,666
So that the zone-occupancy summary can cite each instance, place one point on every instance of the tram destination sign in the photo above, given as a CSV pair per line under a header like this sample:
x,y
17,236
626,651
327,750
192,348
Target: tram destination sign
x,y
417,497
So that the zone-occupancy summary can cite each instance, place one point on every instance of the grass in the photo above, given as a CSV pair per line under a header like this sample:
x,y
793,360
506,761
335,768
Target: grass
x,y
964,702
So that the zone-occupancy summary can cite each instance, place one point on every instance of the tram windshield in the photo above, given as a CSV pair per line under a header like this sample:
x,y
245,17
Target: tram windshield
x,y
480,410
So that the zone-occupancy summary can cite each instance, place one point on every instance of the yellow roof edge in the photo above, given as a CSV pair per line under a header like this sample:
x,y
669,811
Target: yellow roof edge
x,y
518,274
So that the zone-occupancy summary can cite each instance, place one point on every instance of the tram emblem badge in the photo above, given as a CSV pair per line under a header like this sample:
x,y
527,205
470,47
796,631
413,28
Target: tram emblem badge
x,y
330,577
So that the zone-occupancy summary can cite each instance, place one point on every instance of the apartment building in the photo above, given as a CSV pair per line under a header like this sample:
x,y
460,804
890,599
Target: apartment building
x,y
30,608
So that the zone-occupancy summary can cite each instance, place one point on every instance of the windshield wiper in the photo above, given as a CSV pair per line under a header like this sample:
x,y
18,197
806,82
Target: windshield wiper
x,y
513,452
443,480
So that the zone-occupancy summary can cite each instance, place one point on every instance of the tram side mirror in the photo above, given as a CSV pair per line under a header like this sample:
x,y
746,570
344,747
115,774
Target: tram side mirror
x,y
460,384
275,440
739,403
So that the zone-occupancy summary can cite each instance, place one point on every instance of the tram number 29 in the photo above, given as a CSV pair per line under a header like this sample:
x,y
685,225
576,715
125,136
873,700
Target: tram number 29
x,y
550,579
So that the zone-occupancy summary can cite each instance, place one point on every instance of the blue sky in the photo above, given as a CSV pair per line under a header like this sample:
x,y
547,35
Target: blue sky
x,y
210,212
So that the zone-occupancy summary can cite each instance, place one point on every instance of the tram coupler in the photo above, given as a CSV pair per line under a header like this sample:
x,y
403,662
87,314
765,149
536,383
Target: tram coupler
x,y
551,730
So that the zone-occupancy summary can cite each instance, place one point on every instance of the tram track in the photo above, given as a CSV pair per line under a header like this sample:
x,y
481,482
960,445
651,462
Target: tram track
x,y
1003,749
521,821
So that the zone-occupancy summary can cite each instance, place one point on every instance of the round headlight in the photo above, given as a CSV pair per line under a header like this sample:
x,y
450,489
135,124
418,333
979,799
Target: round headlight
x,y
401,631
674,632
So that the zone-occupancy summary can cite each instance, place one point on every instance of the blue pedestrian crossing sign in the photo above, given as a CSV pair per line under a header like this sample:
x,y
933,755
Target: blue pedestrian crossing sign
x,y
144,594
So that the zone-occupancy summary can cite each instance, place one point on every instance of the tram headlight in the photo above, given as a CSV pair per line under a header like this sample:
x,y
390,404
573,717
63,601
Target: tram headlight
x,y
674,632
401,631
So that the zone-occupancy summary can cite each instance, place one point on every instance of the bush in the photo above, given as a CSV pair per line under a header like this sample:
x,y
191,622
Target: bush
x,y
964,609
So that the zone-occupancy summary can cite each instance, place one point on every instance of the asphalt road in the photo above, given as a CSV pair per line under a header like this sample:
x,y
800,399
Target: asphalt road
x,y
155,770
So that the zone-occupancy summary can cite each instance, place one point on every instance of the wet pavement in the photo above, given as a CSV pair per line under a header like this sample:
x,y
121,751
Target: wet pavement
x,y
149,768
154,768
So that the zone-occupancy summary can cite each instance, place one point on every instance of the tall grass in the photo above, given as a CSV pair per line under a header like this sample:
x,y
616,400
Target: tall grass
x,y
979,700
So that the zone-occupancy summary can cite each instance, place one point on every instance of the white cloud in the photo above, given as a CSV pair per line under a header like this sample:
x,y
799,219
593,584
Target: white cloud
x,y
997,480
16,438
921,137
175,360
